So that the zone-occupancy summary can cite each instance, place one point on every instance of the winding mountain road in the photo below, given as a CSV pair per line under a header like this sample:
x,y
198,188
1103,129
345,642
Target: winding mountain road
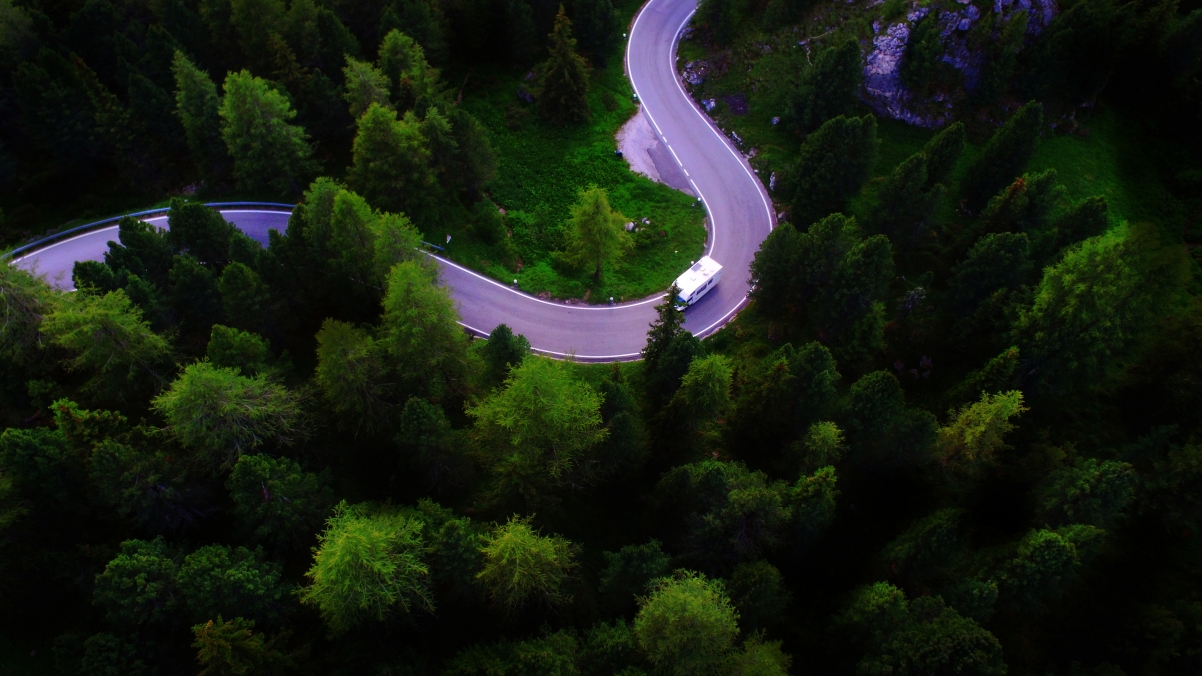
x,y
737,204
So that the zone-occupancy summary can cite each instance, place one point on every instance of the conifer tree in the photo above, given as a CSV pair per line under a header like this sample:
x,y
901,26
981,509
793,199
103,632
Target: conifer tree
x,y
564,78
269,151
365,85
943,151
597,25
833,163
391,162
597,234
1004,156
521,34
829,87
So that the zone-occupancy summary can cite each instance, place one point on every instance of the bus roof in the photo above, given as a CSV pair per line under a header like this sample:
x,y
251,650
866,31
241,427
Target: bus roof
x,y
695,276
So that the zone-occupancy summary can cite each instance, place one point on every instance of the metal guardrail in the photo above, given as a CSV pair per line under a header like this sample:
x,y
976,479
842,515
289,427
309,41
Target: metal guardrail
x,y
113,219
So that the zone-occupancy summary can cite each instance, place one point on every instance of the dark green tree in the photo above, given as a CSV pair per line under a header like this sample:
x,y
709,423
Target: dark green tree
x,y
833,163
943,152
234,349
829,87
1088,491
563,81
1000,45
231,648
503,351
1004,156
197,105
352,374
200,232
629,570
138,586
244,297
884,431
903,202
521,34
597,25
1088,218
919,636
996,261
757,590
922,65
276,502
218,580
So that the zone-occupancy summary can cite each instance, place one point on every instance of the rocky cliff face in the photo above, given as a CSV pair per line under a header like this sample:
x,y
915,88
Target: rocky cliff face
x,y
883,88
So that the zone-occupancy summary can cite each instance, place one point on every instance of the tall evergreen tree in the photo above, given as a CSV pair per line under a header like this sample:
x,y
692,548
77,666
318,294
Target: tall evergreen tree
x,y
391,163
597,233
1004,156
833,163
563,78
521,35
268,151
597,25
943,151
829,87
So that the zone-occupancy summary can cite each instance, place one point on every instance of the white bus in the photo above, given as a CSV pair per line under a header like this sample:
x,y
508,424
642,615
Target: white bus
x,y
697,281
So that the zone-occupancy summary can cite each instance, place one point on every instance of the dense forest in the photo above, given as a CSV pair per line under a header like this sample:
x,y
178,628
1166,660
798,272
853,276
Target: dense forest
x,y
956,431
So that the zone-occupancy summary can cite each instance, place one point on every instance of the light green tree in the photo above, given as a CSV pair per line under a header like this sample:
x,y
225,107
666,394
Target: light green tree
x,y
367,565
197,105
108,339
365,85
540,433
421,332
220,414
522,568
390,163
269,152
970,441
24,301
687,624
596,232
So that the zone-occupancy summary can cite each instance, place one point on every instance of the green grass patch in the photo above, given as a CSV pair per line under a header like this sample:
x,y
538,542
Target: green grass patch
x,y
540,170
1109,158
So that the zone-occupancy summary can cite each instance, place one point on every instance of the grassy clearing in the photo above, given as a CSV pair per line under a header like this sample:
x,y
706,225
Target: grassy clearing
x,y
540,170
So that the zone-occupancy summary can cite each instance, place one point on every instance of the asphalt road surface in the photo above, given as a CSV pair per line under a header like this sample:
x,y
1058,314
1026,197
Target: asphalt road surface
x,y
738,206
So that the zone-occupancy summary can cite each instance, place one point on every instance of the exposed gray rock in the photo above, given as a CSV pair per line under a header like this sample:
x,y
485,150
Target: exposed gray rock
x,y
694,72
882,78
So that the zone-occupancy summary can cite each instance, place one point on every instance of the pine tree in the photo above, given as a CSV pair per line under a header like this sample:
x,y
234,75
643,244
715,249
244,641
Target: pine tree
x,y
521,34
597,24
269,152
943,151
365,85
829,87
668,325
1004,156
834,162
391,162
596,234
564,78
